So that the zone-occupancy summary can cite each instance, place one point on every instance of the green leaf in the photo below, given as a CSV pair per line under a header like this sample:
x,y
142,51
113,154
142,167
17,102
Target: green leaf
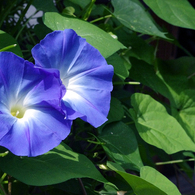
x,y
57,165
140,49
151,175
139,185
185,112
120,64
121,145
136,46
7,40
157,127
108,190
115,166
133,15
169,78
177,75
173,74
180,14
45,5
116,112
94,35
146,74
69,11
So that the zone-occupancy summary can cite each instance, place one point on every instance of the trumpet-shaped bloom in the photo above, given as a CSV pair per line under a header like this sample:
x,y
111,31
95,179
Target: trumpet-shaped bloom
x,y
84,72
31,118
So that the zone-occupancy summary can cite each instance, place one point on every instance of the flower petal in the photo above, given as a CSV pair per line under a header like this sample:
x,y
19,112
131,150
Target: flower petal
x,y
10,76
48,91
58,50
84,72
31,117
6,120
81,102
19,77
36,133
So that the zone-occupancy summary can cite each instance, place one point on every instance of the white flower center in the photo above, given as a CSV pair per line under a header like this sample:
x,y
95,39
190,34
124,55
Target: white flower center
x,y
18,111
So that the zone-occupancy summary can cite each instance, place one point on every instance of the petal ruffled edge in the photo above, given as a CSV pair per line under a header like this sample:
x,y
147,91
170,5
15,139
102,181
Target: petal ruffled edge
x,y
36,133
81,66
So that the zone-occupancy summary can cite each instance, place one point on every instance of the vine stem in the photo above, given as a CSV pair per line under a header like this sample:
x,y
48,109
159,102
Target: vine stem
x,y
126,83
9,186
3,177
2,189
176,176
186,178
174,161
89,9
22,16
8,47
101,18
82,186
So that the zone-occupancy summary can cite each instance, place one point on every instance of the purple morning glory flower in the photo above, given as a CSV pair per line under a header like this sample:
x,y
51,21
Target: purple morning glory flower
x,y
31,118
84,72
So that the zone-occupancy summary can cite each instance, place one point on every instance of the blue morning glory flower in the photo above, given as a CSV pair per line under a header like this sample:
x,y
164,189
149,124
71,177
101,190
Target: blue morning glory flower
x,y
84,72
31,118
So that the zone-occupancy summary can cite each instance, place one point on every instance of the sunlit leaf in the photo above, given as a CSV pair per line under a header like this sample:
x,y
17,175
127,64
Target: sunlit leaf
x,y
133,15
94,35
57,165
185,112
180,14
139,185
151,175
157,127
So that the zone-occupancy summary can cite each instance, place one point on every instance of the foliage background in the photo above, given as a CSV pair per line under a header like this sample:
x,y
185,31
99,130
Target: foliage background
x,y
150,132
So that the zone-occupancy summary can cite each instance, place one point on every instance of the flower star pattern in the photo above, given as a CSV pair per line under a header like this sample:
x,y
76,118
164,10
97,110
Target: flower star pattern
x,y
31,118
84,72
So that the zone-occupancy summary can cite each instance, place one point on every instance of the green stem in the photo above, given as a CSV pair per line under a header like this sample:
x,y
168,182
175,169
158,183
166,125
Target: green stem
x,y
9,185
2,189
30,35
22,16
24,26
8,47
191,75
126,83
186,178
93,142
4,154
151,39
6,182
30,59
88,10
82,186
101,18
174,161
3,177
186,51
118,27
130,123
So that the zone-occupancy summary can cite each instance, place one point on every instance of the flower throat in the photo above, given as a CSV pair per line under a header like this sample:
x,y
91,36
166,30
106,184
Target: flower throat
x,y
18,111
